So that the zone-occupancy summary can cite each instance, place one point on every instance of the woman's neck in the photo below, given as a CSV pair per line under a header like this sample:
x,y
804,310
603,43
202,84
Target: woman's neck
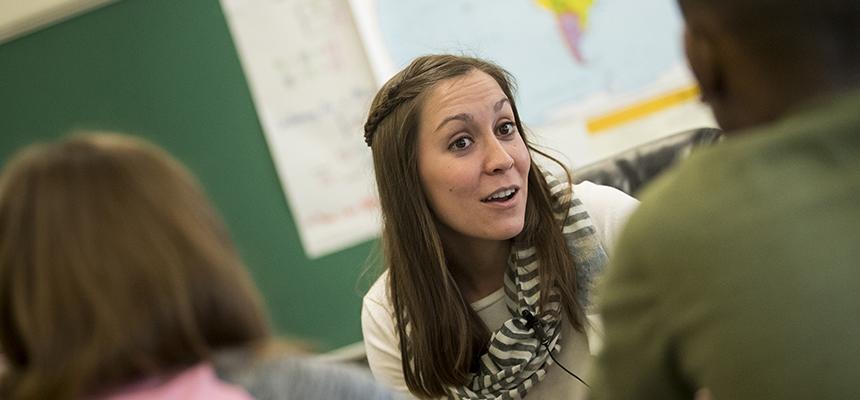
x,y
478,266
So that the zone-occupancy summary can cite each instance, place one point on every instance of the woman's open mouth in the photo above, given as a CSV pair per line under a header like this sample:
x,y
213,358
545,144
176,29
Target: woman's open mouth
x,y
501,196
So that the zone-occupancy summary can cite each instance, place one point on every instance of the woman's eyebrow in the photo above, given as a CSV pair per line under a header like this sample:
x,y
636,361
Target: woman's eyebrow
x,y
499,104
465,117
458,117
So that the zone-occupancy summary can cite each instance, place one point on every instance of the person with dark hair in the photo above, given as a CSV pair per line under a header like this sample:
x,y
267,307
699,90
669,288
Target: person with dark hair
x,y
488,257
118,280
739,273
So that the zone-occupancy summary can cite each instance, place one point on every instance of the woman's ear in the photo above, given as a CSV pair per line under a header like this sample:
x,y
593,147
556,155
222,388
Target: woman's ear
x,y
704,63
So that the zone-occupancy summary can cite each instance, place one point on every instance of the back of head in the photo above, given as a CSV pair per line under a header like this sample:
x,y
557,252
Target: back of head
x,y
764,57
779,31
113,267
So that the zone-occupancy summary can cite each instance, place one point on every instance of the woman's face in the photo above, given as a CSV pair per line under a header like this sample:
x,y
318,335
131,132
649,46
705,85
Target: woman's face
x,y
472,161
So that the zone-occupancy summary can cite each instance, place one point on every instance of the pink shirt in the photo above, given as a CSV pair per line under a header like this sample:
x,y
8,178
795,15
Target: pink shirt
x,y
196,383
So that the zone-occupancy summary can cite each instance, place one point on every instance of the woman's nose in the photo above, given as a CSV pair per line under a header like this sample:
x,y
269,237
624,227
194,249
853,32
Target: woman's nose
x,y
498,159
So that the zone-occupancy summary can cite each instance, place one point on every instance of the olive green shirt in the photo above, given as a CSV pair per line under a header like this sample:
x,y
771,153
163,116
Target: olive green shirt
x,y
740,272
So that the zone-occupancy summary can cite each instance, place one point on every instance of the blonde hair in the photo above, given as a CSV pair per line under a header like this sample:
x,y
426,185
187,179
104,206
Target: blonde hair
x,y
113,267
446,336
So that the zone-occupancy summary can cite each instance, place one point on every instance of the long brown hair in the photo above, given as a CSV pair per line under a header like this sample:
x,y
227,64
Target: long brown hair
x,y
445,337
113,267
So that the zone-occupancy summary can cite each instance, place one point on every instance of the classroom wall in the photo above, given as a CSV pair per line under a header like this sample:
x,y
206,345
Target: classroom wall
x,y
168,71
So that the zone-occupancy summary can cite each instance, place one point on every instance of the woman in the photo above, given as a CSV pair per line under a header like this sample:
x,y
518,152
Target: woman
x,y
119,281
488,258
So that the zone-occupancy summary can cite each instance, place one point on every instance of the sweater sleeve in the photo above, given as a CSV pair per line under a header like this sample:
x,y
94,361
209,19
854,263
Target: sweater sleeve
x,y
608,208
380,337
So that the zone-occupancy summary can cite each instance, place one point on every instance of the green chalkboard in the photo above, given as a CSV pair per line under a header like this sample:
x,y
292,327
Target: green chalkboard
x,y
168,71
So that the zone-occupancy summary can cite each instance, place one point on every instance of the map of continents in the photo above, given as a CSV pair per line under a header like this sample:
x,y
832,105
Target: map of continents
x,y
572,17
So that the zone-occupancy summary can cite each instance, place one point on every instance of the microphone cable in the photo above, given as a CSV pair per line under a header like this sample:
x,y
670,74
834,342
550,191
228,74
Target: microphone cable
x,y
533,323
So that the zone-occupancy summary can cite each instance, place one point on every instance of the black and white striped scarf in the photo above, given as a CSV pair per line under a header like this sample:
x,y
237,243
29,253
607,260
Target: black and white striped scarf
x,y
516,360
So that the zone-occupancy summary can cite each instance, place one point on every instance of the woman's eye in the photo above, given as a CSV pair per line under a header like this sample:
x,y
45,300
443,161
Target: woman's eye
x,y
507,128
460,143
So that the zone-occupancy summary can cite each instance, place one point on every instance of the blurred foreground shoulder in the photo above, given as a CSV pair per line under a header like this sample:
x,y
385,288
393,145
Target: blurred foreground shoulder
x,y
301,378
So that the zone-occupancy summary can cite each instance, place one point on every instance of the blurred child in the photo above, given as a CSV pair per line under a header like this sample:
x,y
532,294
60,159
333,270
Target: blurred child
x,y
118,280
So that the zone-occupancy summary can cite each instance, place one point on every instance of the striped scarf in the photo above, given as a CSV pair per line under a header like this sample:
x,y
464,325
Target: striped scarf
x,y
515,360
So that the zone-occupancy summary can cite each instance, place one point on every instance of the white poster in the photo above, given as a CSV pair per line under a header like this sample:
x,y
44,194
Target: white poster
x,y
312,86
19,17
595,76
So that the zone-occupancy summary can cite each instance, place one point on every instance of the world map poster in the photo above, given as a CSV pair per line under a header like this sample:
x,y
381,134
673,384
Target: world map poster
x,y
594,76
